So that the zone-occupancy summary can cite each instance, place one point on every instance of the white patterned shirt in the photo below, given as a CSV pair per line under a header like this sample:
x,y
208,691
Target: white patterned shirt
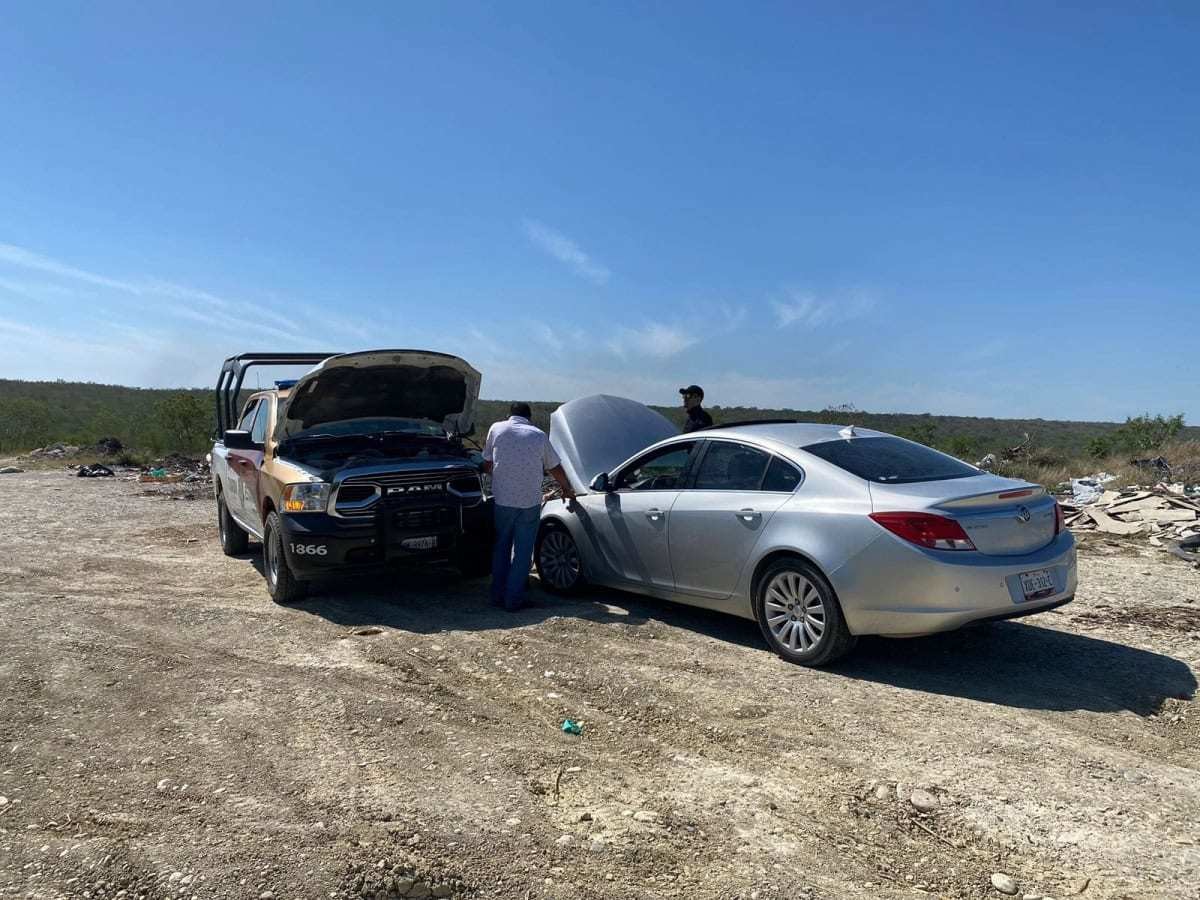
x,y
520,454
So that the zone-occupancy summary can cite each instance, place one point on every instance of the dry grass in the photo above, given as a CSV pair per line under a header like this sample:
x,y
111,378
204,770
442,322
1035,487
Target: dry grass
x,y
1050,468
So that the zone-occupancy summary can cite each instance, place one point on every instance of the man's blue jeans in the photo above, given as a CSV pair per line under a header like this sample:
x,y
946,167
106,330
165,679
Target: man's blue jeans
x,y
516,530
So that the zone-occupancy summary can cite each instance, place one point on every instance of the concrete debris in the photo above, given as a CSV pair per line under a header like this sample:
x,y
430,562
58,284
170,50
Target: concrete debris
x,y
1168,517
1089,490
988,463
54,451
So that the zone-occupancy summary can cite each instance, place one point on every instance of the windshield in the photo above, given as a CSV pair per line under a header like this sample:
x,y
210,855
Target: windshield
x,y
890,460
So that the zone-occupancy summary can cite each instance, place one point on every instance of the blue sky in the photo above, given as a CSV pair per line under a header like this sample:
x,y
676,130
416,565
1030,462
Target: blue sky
x,y
987,209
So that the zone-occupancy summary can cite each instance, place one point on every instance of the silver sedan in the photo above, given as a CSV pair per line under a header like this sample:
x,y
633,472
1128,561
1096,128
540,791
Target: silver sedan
x,y
819,533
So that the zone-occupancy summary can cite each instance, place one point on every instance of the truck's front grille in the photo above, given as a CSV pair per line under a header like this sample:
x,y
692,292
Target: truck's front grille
x,y
356,493
358,496
423,519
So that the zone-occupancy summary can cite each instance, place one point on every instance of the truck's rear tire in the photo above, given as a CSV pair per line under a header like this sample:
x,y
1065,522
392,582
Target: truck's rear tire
x,y
282,584
233,539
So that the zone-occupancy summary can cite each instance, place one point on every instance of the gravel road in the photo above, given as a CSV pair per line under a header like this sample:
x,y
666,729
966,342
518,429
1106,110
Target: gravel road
x,y
168,732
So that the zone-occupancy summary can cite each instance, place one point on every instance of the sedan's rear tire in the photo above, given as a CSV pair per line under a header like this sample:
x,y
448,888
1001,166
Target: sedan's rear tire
x,y
559,565
233,539
283,586
799,614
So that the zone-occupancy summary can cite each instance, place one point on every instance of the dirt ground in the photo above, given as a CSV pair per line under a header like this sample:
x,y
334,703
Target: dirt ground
x,y
167,731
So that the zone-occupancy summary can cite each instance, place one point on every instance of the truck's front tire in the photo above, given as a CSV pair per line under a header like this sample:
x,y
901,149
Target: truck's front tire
x,y
282,584
233,539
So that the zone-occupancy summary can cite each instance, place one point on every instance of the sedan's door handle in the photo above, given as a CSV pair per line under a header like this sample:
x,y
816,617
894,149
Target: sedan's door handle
x,y
748,515
654,514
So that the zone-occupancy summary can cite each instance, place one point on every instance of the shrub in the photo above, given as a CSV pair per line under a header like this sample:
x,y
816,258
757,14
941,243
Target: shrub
x,y
921,432
1146,432
186,422
1099,447
24,424
962,446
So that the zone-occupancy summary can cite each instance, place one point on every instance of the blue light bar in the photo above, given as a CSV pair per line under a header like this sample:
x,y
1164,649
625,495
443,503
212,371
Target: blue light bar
x,y
286,383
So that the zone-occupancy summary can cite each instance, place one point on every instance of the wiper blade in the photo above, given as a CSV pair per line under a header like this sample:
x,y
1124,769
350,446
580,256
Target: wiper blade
x,y
305,438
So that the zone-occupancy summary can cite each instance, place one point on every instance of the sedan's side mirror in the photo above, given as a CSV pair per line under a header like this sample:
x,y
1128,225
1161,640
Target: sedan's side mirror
x,y
239,440
600,484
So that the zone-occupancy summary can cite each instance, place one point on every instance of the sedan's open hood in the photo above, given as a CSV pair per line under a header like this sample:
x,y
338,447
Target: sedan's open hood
x,y
597,433
410,384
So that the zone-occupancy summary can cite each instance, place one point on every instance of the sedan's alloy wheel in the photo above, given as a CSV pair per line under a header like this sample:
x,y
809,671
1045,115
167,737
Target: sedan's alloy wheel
x,y
795,612
558,561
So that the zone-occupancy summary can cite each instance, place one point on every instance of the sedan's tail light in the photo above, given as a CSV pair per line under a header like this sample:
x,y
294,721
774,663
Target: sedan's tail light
x,y
925,529
1060,521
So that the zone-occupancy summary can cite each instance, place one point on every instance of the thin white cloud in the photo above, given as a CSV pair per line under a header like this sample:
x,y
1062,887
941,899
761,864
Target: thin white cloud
x,y
295,323
653,339
808,311
566,251
27,259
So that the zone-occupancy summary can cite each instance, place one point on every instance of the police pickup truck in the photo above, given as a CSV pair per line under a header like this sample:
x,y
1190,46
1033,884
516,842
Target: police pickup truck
x,y
358,464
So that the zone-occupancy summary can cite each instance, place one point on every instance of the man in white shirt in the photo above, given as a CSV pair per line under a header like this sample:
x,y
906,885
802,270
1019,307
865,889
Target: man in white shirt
x,y
518,454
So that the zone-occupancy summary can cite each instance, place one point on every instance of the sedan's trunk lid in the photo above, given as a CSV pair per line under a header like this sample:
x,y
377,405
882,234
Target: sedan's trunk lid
x,y
596,434
1001,516
408,384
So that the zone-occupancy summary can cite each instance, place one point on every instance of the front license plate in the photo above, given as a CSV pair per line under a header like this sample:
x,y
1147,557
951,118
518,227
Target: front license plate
x,y
1037,584
421,543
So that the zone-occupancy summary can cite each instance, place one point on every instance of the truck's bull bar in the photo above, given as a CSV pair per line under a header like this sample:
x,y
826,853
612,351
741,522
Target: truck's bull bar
x,y
233,373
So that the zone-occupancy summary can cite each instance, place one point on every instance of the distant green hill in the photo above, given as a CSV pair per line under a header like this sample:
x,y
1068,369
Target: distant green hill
x,y
35,413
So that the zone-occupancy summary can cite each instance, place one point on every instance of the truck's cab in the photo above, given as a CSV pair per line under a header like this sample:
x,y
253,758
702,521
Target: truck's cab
x,y
358,464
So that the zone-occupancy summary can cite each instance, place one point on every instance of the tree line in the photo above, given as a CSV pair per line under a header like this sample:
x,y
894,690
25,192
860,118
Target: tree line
x,y
33,414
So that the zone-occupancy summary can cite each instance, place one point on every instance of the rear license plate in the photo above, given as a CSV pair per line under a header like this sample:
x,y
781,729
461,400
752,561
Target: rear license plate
x,y
1037,584
421,543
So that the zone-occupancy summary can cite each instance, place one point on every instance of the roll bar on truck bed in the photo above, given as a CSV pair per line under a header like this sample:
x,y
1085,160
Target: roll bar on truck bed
x,y
233,373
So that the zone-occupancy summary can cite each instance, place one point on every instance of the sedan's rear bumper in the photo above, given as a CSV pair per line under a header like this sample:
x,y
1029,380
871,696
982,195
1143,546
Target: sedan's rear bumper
x,y
896,588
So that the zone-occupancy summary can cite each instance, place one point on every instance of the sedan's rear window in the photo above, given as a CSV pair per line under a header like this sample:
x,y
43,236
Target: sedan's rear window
x,y
890,460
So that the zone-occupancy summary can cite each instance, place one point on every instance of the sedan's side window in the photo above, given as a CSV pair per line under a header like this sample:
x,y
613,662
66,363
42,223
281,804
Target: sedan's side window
x,y
729,466
662,470
248,416
782,477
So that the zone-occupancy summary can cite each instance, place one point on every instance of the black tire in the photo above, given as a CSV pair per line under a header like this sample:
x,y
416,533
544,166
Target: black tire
x,y
282,584
233,540
799,614
559,563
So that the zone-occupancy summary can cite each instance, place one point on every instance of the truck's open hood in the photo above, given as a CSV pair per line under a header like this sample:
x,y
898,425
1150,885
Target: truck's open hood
x,y
597,433
410,384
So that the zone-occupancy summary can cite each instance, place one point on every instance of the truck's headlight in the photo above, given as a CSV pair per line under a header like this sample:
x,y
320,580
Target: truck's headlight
x,y
310,496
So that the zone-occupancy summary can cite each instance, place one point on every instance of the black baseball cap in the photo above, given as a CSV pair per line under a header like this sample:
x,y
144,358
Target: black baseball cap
x,y
692,389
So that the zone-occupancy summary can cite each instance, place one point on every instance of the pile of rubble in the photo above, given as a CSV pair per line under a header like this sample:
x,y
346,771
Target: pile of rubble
x,y
1168,516
173,469
109,446
54,451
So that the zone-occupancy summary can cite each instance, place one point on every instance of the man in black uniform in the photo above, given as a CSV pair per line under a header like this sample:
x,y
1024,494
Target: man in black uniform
x,y
693,399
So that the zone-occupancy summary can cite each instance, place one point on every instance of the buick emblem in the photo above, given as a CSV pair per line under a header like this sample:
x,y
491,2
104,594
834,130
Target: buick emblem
x,y
1023,515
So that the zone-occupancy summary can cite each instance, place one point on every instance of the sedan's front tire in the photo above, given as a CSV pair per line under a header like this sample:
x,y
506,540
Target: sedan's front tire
x,y
559,565
282,584
799,614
